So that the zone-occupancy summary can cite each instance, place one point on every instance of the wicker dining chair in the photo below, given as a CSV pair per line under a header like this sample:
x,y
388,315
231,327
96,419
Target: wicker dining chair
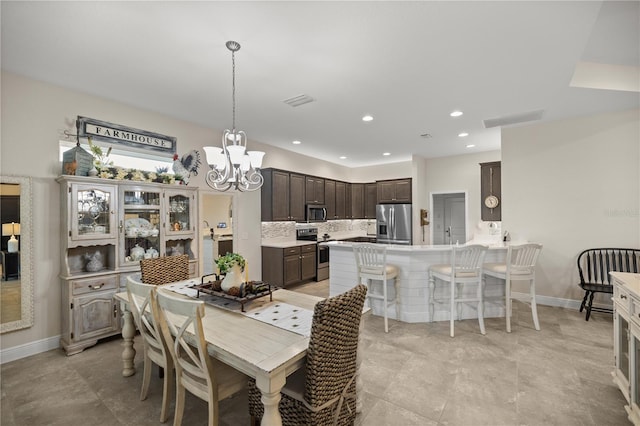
x,y
155,350
324,393
164,270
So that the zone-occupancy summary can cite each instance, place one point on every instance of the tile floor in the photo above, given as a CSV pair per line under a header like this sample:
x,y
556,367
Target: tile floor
x,y
414,375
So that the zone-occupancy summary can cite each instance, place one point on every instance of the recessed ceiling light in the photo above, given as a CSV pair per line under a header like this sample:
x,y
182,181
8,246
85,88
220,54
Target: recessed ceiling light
x,y
456,113
386,153
296,142
463,135
470,145
342,157
367,118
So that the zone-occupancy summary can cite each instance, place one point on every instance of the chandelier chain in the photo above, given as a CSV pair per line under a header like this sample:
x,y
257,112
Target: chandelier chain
x,y
233,89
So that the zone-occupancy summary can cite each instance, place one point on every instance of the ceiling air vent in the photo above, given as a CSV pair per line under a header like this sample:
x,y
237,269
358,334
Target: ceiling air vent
x,y
298,100
513,119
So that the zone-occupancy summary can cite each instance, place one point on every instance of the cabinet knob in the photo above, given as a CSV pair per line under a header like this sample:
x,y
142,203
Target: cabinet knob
x,y
622,296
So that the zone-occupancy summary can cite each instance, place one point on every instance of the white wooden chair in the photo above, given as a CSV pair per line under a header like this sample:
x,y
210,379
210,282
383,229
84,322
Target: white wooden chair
x,y
520,265
465,268
371,263
155,349
205,377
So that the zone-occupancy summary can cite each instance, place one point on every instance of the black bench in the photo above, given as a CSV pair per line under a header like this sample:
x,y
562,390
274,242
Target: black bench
x,y
594,266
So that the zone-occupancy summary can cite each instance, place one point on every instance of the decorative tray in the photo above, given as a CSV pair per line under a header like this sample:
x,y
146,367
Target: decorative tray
x,y
248,291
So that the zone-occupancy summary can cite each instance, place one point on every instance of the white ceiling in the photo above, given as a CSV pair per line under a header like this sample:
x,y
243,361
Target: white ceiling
x,y
409,64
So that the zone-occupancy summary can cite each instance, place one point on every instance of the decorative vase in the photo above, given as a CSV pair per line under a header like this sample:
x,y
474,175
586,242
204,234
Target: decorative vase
x,y
233,278
93,171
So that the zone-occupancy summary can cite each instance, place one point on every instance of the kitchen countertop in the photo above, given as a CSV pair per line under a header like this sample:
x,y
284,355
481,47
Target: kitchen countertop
x,y
293,243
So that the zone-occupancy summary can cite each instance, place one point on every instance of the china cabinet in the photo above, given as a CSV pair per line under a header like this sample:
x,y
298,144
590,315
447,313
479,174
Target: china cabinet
x,y
107,227
626,340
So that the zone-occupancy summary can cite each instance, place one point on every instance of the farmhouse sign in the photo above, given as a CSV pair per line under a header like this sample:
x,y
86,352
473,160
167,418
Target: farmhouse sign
x,y
121,135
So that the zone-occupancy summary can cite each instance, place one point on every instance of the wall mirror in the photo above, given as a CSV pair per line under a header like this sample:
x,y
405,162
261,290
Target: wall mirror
x,y
16,285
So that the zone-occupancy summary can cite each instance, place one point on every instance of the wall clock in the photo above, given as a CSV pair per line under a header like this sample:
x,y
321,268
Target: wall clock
x,y
491,201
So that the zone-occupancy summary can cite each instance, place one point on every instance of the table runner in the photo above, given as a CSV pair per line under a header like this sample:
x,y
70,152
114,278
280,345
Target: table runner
x,y
282,315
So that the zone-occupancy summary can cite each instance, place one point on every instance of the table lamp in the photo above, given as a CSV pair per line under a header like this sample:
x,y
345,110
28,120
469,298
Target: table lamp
x,y
12,229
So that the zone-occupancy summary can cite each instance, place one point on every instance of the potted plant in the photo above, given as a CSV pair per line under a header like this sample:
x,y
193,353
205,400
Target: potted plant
x,y
231,265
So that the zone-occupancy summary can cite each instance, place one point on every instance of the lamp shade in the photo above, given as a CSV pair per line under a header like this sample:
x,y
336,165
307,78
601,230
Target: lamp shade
x,y
10,229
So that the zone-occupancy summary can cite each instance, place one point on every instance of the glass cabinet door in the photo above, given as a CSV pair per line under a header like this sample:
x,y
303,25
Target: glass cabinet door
x,y
180,213
92,212
623,347
140,224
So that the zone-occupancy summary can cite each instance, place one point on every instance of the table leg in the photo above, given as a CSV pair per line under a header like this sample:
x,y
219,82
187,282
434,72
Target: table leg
x,y
270,387
129,352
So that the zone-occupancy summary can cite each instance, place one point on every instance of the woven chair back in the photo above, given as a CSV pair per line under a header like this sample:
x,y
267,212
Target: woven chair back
x,y
331,357
164,270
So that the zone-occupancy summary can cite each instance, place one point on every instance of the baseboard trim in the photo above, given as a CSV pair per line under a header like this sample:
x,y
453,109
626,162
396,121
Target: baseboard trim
x,y
558,301
28,349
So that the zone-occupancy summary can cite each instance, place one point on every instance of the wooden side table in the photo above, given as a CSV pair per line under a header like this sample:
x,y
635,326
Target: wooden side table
x,y
10,265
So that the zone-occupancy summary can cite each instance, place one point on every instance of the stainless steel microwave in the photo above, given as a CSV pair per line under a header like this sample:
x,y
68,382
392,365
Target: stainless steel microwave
x,y
316,213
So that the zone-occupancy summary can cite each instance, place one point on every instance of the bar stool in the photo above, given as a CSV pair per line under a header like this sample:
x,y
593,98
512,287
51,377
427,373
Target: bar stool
x,y
371,263
519,266
465,268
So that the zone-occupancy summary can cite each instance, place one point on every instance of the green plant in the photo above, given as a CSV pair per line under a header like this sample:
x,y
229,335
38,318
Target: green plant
x,y
101,160
226,262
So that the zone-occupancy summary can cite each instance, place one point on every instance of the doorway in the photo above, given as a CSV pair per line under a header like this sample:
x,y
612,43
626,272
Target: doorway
x,y
449,217
217,228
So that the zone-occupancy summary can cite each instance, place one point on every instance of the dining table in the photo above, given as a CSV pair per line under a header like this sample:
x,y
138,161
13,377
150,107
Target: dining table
x,y
265,352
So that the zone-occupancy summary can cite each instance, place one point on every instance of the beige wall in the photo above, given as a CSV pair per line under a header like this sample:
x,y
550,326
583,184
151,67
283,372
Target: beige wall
x,y
572,185
457,173
585,172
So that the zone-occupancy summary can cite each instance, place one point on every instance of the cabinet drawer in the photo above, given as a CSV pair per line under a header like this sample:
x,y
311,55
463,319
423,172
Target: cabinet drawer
x,y
290,251
308,249
622,298
89,285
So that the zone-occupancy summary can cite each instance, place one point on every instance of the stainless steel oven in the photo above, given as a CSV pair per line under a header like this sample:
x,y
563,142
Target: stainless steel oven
x,y
322,259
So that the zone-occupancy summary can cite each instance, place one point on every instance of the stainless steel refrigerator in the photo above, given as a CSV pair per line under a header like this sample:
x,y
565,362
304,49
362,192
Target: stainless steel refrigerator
x,y
393,224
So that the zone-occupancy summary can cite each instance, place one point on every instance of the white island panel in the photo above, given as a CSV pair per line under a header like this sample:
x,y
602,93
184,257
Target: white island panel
x,y
413,263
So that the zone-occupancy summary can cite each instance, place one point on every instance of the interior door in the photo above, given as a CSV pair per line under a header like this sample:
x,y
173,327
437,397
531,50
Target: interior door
x,y
448,218
455,231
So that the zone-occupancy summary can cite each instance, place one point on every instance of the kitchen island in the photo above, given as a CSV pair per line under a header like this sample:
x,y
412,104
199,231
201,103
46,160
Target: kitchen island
x,y
413,281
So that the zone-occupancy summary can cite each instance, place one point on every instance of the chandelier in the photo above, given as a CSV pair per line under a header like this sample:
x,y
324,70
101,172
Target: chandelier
x,y
232,166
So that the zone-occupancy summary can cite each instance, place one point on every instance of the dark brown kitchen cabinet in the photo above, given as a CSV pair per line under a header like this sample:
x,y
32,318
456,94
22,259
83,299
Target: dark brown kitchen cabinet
x,y
314,190
394,191
330,198
341,201
283,196
348,208
289,265
357,200
370,200
224,247
490,191
296,197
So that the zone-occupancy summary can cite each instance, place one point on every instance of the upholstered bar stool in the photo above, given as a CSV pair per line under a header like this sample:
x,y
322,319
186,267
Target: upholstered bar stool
x,y
371,262
465,268
520,265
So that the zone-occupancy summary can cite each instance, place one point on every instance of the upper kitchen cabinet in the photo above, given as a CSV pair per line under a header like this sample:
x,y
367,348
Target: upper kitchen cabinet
x,y
314,190
490,191
370,200
357,200
283,196
330,198
394,191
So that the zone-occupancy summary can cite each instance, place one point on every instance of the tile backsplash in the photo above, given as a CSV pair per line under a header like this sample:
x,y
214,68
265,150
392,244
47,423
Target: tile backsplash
x,y
287,230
